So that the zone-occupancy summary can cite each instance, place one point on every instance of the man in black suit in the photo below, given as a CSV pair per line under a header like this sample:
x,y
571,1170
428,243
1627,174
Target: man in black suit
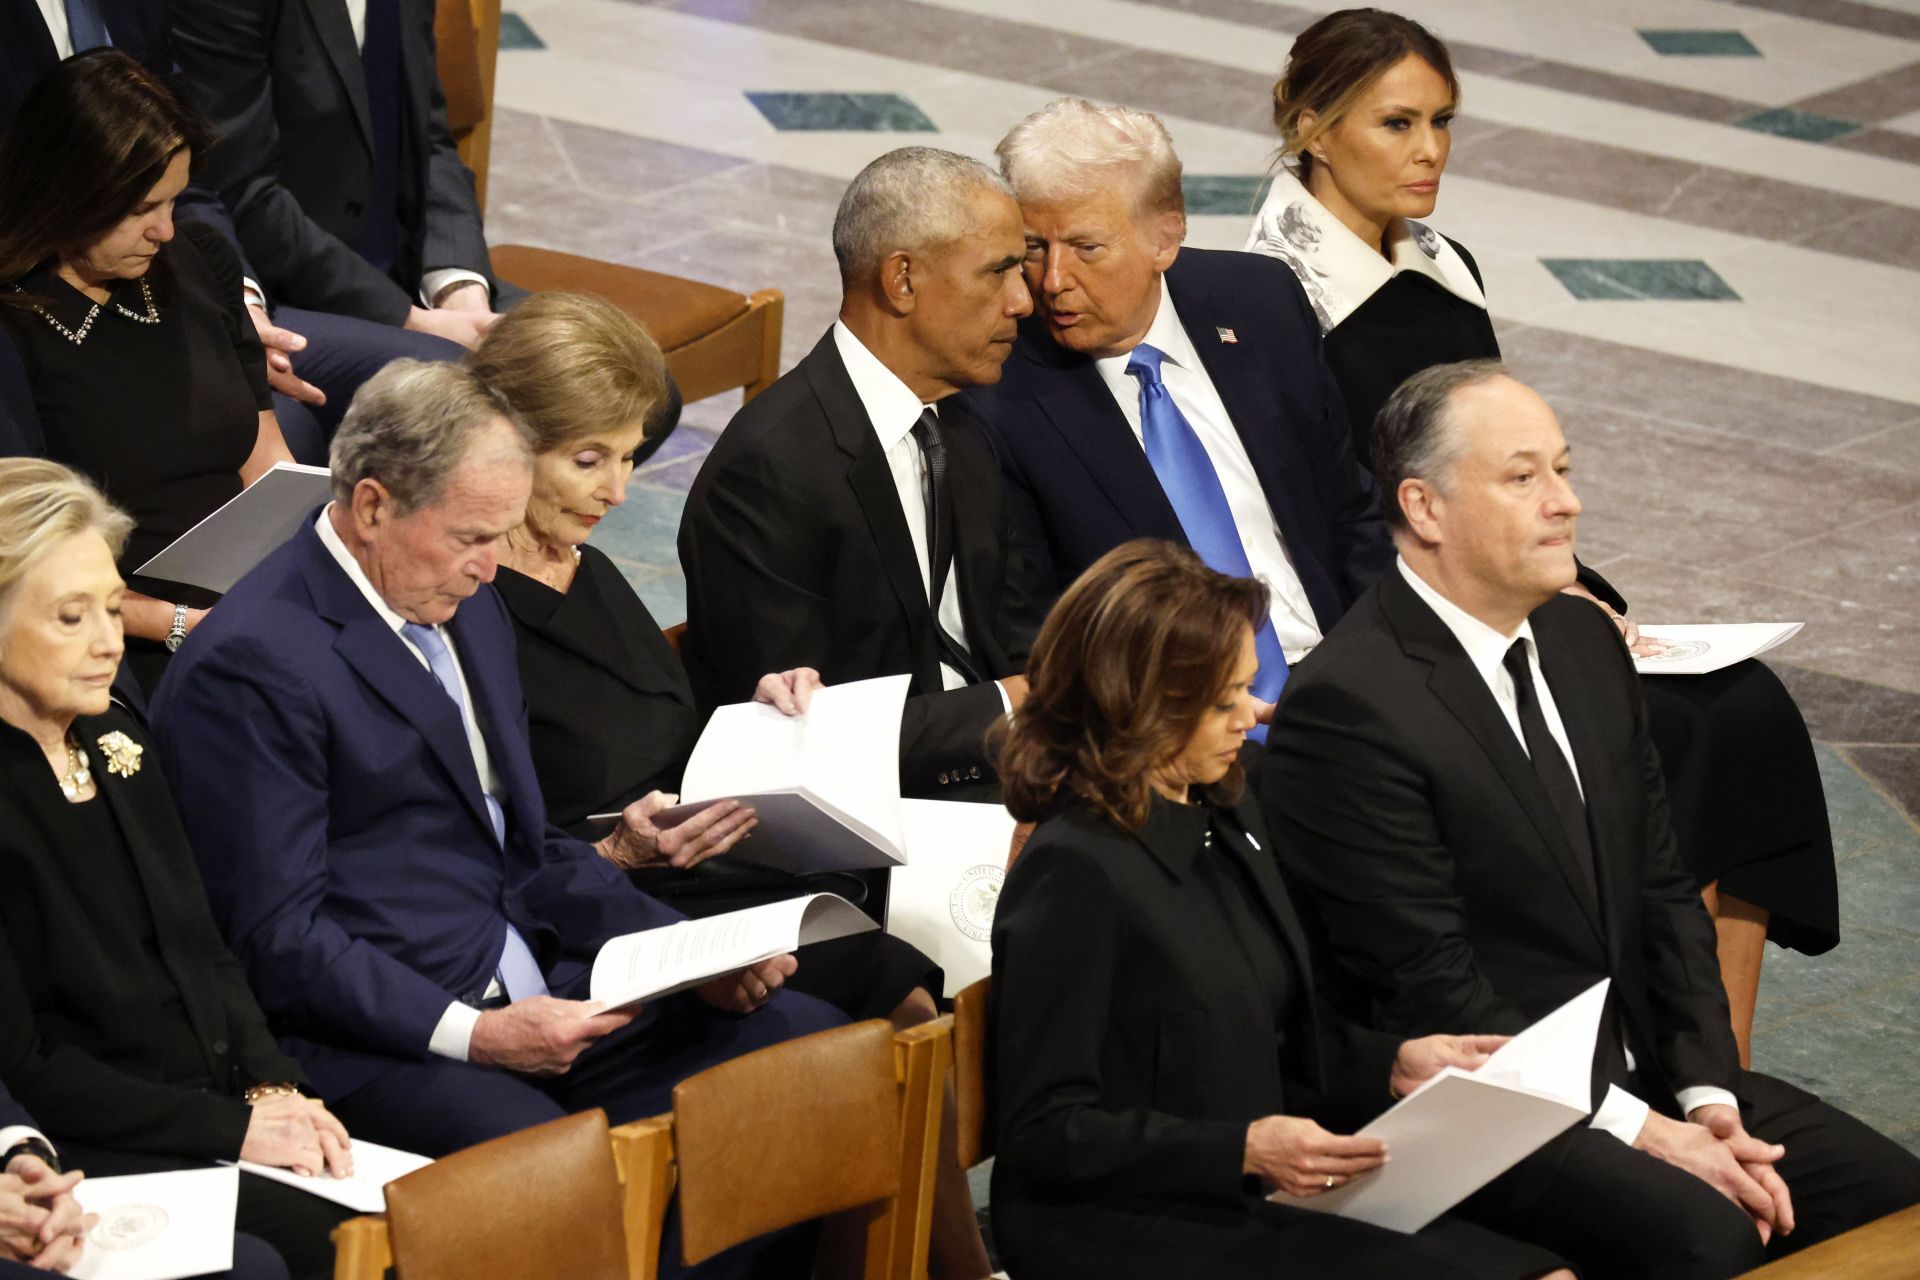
x,y
336,158
1252,467
851,519
1463,777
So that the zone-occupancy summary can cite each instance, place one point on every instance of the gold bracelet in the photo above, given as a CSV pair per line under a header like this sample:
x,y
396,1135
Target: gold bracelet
x,y
260,1092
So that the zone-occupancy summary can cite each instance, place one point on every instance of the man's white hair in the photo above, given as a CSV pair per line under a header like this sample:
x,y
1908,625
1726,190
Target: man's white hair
x,y
1071,149
913,198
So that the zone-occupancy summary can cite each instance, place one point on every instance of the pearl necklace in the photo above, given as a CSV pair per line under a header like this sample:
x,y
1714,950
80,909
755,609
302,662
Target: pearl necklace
x,y
78,336
79,775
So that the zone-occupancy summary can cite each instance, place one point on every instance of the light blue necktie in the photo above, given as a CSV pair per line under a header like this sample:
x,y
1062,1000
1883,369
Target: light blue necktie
x,y
1187,476
519,972
85,27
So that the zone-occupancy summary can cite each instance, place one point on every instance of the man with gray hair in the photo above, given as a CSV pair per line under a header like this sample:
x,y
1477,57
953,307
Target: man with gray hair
x,y
1165,392
347,738
851,519
1462,777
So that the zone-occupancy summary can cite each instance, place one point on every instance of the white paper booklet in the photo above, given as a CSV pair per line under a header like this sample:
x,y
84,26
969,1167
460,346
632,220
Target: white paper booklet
x,y
826,784
217,552
374,1166
158,1226
658,962
1460,1130
1703,648
942,900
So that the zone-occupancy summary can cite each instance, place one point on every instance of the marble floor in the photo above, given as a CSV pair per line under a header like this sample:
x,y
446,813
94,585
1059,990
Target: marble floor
x,y
1700,225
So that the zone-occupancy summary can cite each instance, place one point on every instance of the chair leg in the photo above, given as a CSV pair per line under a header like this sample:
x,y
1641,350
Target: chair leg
x,y
1741,942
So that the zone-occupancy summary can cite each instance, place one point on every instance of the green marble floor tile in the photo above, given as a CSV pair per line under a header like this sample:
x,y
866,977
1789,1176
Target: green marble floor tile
x,y
1699,44
842,112
1790,122
1640,279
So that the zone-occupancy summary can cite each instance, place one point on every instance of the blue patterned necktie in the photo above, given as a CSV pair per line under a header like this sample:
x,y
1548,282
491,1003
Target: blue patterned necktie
x,y
85,27
1187,476
518,972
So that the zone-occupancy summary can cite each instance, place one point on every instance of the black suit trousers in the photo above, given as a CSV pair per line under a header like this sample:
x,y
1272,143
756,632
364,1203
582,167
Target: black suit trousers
x,y
1620,1214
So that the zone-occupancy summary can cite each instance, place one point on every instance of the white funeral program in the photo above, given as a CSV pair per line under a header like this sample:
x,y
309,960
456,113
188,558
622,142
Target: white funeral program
x,y
942,900
658,962
1703,648
158,1226
825,783
1462,1129
365,1190
217,552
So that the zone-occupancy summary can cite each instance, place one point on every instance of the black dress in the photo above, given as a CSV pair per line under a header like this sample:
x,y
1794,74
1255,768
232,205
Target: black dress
x,y
611,716
160,416
1153,995
1748,807
126,1026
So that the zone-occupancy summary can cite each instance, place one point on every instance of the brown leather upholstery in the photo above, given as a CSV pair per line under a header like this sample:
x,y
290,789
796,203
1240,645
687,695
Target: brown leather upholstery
x,y
970,1073
791,1133
466,35
1888,1249
542,1202
676,636
676,311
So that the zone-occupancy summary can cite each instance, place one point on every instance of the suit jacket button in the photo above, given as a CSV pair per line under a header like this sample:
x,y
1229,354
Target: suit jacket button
x,y
353,208
974,772
943,777
220,1048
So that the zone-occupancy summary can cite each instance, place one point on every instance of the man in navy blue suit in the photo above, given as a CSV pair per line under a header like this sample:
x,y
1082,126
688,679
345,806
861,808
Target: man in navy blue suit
x,y
1171,393
347,738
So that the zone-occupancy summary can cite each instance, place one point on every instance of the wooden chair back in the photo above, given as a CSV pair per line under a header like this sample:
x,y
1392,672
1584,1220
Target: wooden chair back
x,y
677,638
544,1201
466,35
1885,1249
970,1073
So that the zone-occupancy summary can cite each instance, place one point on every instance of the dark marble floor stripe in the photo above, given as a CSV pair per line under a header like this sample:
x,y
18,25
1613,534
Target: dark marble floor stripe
x,y
1888,143
1845,13
1882,97
1764,208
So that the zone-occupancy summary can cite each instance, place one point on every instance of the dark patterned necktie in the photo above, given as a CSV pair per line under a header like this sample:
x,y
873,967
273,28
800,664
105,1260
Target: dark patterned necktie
x,y
1550,762
933,451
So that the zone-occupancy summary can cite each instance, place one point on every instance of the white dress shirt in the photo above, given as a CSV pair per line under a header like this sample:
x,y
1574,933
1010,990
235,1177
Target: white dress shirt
x,y
55,13
1620,1113
893,409
453,1034
1193,391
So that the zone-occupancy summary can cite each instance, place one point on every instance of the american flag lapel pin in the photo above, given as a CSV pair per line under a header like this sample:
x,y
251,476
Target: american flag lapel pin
x,y
1226,335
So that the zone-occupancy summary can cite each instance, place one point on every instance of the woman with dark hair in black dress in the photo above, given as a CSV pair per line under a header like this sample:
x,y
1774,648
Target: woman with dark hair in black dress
x,y
144,367
1364,109
610,710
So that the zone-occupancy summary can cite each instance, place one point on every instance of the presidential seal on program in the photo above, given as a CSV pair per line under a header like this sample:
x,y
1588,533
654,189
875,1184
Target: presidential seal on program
x,y
128,1226
973,899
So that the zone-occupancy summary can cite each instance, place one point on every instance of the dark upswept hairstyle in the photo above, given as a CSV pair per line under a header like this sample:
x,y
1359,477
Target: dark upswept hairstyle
x,y
1126,665
1335,61
92,137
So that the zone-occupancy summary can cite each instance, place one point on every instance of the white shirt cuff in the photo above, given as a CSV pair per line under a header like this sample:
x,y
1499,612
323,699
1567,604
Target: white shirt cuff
x,y
453,1034
1621,1114
252,294
17,1133
1006,699
1704,1095
434,282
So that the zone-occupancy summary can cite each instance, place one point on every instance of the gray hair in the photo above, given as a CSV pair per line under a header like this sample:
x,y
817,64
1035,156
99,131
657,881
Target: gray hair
x,y
913,198
1071,149
1414,436
42,504
410,427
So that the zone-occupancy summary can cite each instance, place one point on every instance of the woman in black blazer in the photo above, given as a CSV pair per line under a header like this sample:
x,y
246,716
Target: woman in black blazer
x,y
609,707
126,1026
1394,297
1160,1059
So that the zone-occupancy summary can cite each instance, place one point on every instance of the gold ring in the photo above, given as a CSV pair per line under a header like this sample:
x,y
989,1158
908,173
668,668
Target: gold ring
x,y
1329,1182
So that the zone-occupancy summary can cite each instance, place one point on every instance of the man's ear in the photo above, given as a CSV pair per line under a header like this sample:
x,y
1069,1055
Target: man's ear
x,y
370,504
897,282
1423,506
1168,229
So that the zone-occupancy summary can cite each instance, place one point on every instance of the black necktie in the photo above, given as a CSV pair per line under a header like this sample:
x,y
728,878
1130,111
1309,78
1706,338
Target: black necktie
x,y
933,450
1550,762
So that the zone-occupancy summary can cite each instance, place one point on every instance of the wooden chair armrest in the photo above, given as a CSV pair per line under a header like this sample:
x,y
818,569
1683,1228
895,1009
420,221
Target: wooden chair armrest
x,y
643,1153
362,1249
922,1061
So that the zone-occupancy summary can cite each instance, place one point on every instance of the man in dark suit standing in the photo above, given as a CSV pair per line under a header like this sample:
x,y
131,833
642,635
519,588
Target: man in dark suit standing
x,y
851,519
336,159
349,749
1462,775
1170,393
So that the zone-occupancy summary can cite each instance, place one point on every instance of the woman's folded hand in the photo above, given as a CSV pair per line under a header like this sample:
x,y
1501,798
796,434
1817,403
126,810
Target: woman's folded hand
x,y
1297,1156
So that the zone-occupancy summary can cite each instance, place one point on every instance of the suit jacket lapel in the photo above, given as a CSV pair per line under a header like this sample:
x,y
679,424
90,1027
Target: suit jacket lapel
x,y
336,37
382,659
1460,689
487,660
872,483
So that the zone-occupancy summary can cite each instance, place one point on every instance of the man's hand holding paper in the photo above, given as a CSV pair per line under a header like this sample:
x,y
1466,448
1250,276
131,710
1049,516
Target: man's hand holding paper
x,y
1420,1060
641,839
745,990
541,1035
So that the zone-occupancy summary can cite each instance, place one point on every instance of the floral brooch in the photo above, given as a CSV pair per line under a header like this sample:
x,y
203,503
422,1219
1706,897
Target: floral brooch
x,y
122,753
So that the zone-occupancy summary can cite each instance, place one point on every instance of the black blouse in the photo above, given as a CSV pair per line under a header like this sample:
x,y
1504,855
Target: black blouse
x,y
125,1023
161,416
608,704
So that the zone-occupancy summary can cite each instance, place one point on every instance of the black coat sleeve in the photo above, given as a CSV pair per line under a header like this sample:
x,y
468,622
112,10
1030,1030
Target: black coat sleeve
x,y
454,234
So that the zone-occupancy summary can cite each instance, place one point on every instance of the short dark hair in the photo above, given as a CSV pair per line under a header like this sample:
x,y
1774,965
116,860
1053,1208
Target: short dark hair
x,y
91,138
1413,437
1125,667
